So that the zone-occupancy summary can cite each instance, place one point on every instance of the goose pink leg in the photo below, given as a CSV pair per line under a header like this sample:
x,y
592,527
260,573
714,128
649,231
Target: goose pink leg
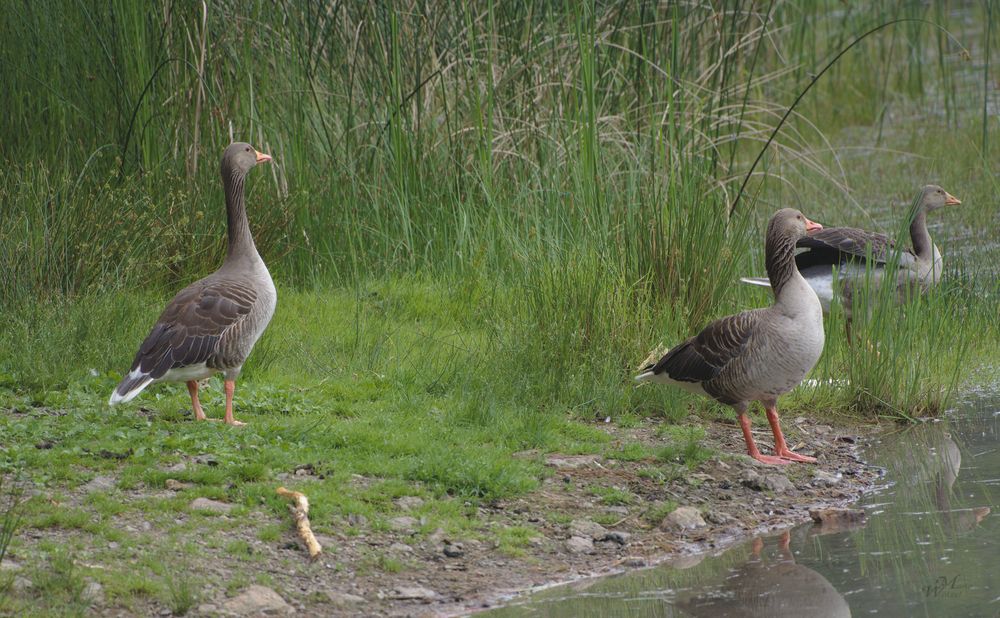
x,y
230,389
199,414
752,449
780,447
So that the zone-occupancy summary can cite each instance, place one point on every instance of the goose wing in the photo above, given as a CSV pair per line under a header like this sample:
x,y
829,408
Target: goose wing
x,y
835,245
704,356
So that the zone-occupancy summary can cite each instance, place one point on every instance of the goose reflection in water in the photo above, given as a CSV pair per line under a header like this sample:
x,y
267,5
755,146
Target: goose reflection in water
x,y
768,586
934,460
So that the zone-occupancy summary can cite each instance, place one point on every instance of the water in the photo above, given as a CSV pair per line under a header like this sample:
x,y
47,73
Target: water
x,y
930,546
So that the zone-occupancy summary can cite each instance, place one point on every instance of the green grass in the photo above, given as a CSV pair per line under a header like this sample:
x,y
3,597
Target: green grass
x,y
480,218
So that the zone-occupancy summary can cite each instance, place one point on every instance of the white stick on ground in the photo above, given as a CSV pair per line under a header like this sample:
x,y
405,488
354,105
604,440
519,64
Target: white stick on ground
x,y
300,511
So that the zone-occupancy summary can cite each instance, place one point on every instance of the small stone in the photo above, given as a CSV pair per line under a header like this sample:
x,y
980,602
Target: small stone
x,y
822,478
837,517
453,550
175,485
616,536
22,584
413,593
113,545
343,598
585,528
93,592
633,562
719,518
766,482
683,518
257,600
401,548
180,466
408,503
617,510
579,545
403,524
99,483
213,506
571,462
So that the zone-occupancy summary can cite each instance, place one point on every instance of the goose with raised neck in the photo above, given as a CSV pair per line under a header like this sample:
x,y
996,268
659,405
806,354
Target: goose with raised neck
x,y
756,355
851,256
211,325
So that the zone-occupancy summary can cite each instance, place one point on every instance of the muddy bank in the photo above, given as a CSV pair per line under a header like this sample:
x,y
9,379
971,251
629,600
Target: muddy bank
x,y
722,501
591,515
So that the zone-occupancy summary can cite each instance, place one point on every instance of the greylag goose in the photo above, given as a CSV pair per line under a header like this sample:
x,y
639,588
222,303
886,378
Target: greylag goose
x,y
760,354
846,250
211,325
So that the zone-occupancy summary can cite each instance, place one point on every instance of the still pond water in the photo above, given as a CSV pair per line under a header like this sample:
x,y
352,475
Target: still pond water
x,y
930,546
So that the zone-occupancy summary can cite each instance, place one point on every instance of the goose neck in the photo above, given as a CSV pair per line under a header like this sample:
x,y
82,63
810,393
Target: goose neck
x,y
240,240
923,248
779,256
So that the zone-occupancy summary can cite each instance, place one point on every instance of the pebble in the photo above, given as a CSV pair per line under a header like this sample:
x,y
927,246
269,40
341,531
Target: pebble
x,y
586,528
99,483
175,485
213,506
579,545
343,598
719,518
571,462
408,503
413,593
837,517
683,518
453,550
93,592
769,482
257,600
403,524
822,478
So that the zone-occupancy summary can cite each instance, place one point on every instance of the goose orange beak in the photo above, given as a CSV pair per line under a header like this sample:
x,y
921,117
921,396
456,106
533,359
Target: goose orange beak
x,y
262,158
812,226
951,200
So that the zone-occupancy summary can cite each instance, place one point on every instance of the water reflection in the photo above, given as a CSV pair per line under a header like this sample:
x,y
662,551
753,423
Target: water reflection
x,y
929,547
767,585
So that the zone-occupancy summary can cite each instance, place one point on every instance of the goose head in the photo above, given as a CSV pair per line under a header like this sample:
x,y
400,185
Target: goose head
x,y
240,157
933,197
790,224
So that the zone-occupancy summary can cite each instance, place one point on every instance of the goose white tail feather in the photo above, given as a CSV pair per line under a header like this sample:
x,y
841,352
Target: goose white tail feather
x,y
130,386
761,281
645,375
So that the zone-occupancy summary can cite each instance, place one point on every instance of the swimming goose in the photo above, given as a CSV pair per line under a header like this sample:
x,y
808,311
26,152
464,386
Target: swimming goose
x,y
212,324
760,354
846,249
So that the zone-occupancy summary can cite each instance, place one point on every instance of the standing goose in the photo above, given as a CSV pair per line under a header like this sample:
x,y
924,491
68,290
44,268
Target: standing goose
x,y
212,324
760,354
846,250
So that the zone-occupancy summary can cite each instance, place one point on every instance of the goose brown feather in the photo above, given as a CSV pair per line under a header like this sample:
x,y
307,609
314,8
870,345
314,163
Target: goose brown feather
x,y
211,325
760,354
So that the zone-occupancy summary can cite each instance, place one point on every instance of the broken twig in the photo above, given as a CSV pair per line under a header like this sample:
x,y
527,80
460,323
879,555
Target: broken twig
x,y
300,511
